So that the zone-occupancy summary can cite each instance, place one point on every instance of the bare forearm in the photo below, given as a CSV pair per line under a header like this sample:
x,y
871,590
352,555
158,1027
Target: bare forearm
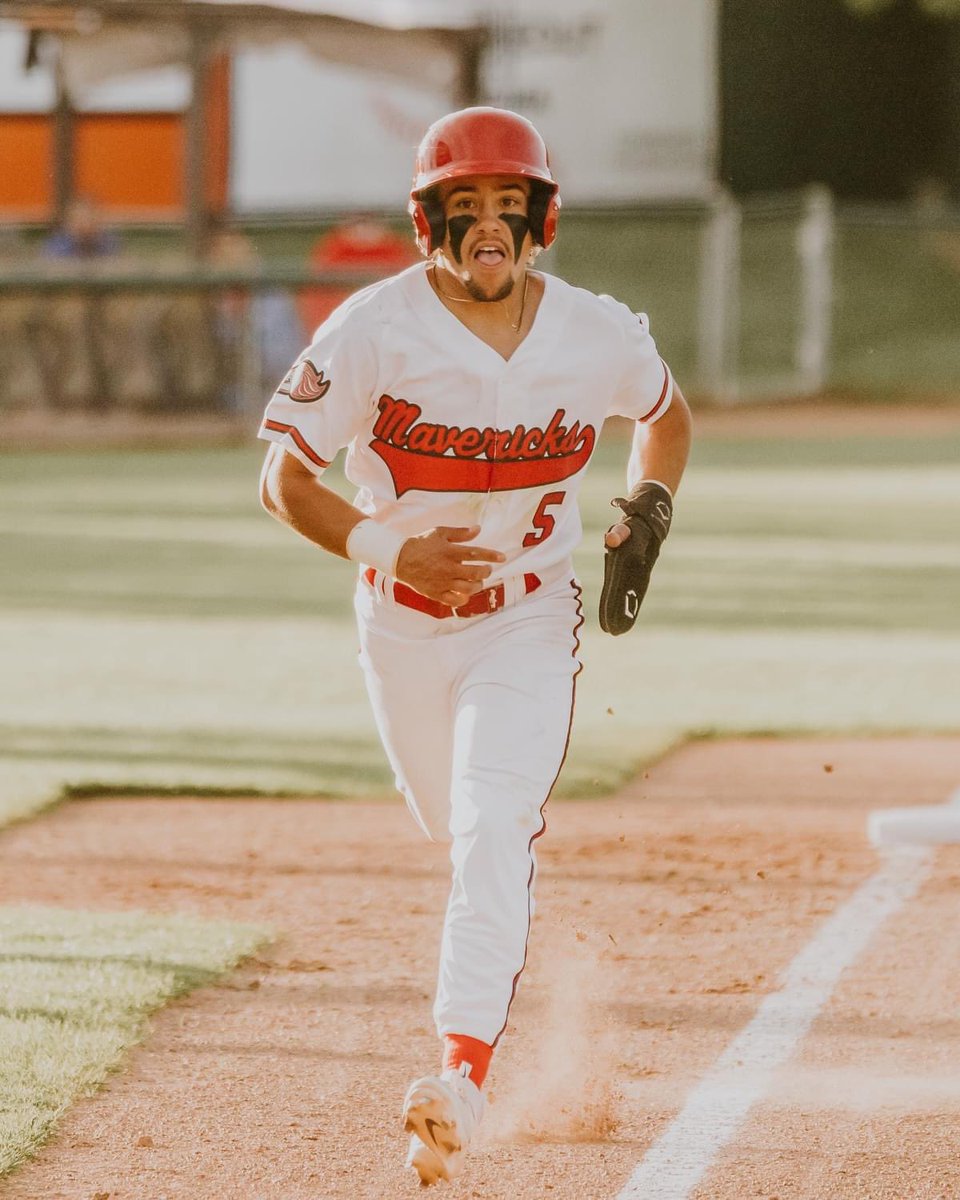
x,y
300,500
660,451
436,562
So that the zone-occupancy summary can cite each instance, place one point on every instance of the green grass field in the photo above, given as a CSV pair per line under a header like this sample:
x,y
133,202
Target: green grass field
x,y
158,630
77,989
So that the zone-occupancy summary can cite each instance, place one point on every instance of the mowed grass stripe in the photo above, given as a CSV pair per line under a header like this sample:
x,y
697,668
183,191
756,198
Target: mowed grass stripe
x,y
195,543
76,989
833,545
158,630
127,527
694,579
638,696
818,552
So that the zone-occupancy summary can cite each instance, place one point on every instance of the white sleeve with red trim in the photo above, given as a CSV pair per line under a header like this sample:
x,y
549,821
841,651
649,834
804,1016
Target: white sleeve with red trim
x,y
646,385
327,395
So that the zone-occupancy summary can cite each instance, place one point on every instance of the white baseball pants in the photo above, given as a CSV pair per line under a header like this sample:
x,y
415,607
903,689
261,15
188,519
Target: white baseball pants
x,y
475,715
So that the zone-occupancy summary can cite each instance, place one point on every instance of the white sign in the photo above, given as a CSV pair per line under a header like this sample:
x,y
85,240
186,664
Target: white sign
x,y
165,89
624,91
319,135
21,91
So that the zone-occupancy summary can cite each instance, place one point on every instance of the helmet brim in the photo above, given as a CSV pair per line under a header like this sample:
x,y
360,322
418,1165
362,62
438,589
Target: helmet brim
x,y
428,179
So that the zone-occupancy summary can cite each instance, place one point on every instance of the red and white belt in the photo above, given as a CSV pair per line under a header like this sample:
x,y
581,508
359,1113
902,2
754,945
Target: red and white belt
x,y
489,600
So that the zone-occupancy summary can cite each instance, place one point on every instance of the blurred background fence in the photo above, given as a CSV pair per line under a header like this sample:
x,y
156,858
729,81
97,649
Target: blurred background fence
x,y
171,340
775,296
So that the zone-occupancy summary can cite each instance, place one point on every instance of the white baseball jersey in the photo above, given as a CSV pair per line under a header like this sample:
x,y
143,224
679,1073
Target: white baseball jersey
x,y
442,430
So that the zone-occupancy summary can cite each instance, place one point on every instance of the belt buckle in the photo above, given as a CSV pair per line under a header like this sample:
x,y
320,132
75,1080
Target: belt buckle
x,y
496,597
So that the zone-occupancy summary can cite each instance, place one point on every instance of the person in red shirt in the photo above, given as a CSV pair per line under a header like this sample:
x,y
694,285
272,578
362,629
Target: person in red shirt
x,y
359,244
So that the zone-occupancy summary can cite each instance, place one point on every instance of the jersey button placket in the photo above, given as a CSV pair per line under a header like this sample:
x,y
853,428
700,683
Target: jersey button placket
x,y
492,502
492,391
489,416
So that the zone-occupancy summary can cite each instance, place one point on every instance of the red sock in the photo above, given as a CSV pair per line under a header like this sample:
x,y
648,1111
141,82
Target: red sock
x,y
458,1048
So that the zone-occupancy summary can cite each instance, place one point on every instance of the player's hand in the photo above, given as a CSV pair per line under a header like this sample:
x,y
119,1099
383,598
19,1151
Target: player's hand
x,y
440,564
616,535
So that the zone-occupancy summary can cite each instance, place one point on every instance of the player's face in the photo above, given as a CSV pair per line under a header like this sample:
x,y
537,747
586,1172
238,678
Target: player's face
x,y
488,240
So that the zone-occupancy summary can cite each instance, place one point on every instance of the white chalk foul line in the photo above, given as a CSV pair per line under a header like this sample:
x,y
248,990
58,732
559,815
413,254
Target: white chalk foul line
x,y
677,1161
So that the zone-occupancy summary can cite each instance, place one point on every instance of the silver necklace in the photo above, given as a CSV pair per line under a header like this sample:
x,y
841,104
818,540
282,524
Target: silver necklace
x,y
471,300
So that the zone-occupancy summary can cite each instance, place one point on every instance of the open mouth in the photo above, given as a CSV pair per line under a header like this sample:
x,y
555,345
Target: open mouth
x,y
489,255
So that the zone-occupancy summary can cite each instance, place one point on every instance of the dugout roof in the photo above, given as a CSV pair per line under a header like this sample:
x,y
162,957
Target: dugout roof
x,y
100,39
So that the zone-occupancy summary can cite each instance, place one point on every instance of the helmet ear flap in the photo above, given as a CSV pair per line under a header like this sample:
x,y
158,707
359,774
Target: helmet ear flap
x,y
550,220
428,221
421,225
544,212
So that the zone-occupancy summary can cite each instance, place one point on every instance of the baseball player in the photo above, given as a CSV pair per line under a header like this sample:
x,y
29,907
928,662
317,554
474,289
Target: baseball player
x,y
469,392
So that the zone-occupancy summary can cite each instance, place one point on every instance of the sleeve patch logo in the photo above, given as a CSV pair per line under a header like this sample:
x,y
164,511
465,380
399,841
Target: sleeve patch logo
x,y
304,383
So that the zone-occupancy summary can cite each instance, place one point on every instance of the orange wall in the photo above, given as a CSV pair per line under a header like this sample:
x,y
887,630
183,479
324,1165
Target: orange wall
x,y
130,160
132,163
26,164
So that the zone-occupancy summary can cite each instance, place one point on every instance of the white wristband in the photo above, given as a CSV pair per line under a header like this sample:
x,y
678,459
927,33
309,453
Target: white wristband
x,y
375,545
659,483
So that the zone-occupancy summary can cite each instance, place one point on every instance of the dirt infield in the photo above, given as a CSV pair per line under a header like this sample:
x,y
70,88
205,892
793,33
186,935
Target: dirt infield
x,y
666,915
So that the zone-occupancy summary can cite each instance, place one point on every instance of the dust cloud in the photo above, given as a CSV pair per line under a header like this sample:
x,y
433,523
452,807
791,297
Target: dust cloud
x,y
558,1082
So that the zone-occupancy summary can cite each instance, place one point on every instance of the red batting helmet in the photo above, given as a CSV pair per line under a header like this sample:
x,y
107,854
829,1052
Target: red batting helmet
x,y
482,141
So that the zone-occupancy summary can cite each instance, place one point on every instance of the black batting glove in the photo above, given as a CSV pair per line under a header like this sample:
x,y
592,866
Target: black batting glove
x,y
648,511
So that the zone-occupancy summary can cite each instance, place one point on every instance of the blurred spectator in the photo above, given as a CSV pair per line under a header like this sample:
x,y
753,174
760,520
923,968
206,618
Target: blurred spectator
x,y
13,248
358,244
21,385
258,330
71,336
82,234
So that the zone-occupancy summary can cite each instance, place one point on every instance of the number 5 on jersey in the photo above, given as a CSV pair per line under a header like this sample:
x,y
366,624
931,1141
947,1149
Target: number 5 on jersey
x,y
544,522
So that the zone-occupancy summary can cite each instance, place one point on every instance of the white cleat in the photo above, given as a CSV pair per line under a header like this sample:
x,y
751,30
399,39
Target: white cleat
x,y
428,1165
441,1112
